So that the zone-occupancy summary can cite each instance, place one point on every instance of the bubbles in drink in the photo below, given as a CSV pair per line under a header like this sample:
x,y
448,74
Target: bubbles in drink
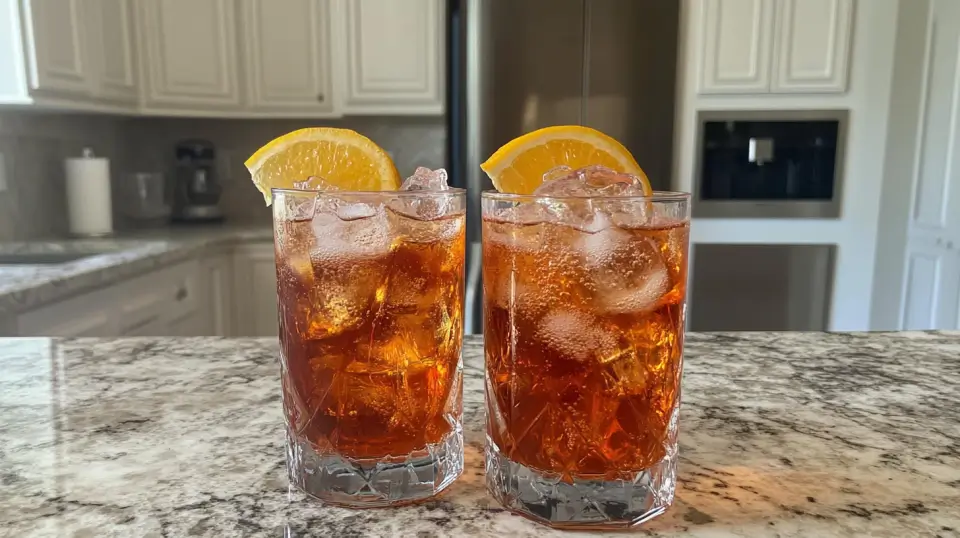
x,y
576,334
371,319
584,312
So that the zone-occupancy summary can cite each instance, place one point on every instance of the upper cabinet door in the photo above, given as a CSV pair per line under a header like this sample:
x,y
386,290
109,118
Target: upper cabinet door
x,y
189,53
813,45
112,43
287,46
56,48
394,56
735,48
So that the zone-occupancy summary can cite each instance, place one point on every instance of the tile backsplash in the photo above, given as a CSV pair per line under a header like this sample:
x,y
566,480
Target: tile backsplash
x,y
412,141
34,146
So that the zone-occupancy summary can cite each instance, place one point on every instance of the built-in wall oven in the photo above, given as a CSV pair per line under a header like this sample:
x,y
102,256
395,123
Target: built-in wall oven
x,y
770,164
766,165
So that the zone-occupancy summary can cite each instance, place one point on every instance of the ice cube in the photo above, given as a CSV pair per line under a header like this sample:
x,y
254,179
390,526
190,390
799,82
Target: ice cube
x,y
425,179
576,335
315,183
626,269
350,261
589,181
352,230
578,197
434,202
416,230
354,211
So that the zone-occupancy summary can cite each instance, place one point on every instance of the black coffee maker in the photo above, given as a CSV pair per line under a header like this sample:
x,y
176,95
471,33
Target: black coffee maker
x,y
196,189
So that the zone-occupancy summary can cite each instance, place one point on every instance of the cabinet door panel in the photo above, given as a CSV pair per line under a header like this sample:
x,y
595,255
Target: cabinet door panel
x,y
256,290
394,52
217,283
288,54
814,45
735,51
56,48
113,46
190,52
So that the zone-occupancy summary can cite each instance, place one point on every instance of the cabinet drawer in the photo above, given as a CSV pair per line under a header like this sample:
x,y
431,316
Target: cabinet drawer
x,y
149,303
84,315
143,306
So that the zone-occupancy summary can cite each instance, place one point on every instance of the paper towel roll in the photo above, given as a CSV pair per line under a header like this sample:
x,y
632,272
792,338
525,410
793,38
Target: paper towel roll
x,y
88,195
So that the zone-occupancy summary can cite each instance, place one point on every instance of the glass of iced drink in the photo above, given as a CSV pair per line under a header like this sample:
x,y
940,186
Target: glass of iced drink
x,y
584,288
370,300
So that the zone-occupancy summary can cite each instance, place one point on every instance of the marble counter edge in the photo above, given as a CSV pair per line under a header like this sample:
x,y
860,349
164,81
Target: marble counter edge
x,y
51,284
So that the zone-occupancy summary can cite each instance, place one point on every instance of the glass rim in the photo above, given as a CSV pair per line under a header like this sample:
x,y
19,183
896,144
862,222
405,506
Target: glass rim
x,y
657,196
452,191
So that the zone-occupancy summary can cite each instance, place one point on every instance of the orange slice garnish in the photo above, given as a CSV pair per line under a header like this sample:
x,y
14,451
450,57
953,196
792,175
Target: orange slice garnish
x,y
518,167
341,157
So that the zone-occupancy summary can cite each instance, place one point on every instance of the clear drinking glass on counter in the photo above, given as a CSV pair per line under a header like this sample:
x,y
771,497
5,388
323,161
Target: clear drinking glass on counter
x,y
370,295
583,331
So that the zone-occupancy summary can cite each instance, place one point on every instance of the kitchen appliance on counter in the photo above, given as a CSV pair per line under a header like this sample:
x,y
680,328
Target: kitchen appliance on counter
x,y
196,187
770,164
145,199
517,65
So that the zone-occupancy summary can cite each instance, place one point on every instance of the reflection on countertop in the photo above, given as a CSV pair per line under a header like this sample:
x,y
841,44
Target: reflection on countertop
x,y
122,256
782,434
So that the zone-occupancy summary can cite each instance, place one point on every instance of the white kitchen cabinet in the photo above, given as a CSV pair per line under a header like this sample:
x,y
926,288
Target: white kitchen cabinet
x,y
87,315
188,52
932,285
779,46
287,60
216,282
735,45
393,61
255,273
156,304
813,46
111,42
56,47
68,54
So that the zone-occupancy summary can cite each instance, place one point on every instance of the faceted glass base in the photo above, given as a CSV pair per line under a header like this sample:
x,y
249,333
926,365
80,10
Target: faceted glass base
x,y
375,483
583,504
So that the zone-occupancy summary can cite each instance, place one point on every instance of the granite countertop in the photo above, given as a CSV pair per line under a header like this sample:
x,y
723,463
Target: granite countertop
x,y
782,434
126,255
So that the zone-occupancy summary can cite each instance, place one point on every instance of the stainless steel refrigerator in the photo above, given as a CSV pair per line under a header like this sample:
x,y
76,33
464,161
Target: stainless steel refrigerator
x,y
518,65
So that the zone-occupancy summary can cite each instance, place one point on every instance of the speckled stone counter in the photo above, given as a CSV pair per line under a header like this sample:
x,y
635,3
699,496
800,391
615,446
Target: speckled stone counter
x,y
803,434
126,255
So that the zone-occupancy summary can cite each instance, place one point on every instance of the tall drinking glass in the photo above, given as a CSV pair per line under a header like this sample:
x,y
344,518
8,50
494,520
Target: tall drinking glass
x,y
370,296
583,329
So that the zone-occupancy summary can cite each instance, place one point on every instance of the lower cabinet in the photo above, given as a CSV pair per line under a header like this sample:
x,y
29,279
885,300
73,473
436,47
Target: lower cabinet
x,y
228,293
255,271
165,302
218,292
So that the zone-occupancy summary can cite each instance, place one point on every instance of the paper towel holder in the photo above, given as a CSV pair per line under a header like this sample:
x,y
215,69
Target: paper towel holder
x,y
88,193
